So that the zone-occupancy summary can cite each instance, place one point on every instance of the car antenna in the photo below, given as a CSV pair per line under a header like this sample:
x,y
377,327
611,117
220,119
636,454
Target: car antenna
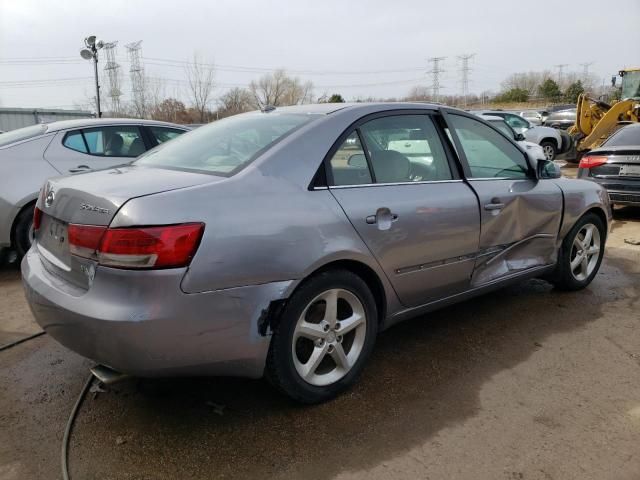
x,y
267,109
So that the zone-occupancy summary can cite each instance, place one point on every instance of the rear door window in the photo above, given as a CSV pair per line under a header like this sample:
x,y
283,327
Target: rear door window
x,y
116,141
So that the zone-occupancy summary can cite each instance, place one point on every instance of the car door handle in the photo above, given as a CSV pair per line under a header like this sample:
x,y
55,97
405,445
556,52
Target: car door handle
x,y
80,168
494,206
383,218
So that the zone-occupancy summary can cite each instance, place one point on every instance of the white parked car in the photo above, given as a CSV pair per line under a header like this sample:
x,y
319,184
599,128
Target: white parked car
x,y
534,150
550,139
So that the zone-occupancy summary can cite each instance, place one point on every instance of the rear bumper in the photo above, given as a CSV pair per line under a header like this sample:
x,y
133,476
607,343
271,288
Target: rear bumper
x,y
622,191
141,323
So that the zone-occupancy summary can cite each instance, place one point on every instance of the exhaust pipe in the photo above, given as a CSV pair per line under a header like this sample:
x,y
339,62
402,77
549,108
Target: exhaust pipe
x,y
108,376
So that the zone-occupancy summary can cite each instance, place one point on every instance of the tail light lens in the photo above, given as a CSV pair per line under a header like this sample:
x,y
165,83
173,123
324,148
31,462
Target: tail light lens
x,y
37,218
591,161
168,246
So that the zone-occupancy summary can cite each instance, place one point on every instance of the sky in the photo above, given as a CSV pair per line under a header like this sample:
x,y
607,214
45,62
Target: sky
x,y
357,48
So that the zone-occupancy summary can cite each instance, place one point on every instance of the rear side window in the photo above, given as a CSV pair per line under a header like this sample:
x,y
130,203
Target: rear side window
x,y
399,149
349,163
625,137
226,146
116,141
74,141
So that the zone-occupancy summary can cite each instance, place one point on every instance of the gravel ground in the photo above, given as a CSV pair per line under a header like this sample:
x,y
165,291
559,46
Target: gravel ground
x,y
524,383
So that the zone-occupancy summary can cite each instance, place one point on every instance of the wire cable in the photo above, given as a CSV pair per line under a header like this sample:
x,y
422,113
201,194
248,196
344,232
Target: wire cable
x,y
67,431
18,342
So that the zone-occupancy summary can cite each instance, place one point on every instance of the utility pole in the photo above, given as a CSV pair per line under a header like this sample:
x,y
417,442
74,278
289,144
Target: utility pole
x,y
464,70
560,68
435,72
111,67
90,52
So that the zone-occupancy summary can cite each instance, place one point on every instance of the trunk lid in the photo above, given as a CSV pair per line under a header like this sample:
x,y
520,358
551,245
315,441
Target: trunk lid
x,y
94,199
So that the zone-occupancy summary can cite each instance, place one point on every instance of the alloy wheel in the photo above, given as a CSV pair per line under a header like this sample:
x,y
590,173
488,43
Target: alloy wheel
x,y
329,337
585,252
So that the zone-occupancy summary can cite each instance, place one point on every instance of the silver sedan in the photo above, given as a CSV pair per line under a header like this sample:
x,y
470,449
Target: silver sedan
x,y
30,155
281,242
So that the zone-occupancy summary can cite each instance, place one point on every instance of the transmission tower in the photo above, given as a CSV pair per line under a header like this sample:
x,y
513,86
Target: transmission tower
x,y
136,72
113,74
585,70
435,72
464,70
560,68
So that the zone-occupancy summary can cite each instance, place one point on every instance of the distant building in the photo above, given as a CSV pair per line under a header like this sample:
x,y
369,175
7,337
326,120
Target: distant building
x,y
12,118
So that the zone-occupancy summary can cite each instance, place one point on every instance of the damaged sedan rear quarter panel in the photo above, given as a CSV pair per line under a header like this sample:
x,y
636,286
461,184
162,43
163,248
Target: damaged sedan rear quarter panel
x,y
272,226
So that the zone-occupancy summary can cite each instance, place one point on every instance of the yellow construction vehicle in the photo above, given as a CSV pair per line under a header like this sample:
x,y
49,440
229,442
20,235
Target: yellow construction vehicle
x,y
597,120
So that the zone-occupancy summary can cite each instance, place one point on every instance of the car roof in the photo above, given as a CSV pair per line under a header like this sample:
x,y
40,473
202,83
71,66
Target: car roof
x,y
327,108
101,122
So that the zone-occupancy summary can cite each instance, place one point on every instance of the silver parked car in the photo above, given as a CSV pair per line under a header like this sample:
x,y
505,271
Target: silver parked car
x,y
281,242
30,155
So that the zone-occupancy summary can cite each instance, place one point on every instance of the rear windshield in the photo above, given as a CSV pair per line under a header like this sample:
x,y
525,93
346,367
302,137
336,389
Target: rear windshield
x,y
625,137
226,146
20,134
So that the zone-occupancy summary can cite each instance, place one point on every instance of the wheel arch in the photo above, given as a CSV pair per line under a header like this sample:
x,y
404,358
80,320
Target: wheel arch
x,y
14,222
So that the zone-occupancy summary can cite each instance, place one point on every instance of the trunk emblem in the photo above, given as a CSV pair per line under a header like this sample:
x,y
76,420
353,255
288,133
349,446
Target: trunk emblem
x,y
93,208
51,196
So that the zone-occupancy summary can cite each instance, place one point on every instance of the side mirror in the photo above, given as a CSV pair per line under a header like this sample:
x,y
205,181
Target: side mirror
x,y
357,160
547,169
519,137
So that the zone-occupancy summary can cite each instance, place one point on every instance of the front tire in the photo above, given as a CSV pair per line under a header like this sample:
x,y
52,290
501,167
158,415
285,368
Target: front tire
x,y
581,254
549,148
23,231
323,337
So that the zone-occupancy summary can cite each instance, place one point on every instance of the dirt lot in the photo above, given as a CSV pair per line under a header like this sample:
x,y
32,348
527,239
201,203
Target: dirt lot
x,y
524,383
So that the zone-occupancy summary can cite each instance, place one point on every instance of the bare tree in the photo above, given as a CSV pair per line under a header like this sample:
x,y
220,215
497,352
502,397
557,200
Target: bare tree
x,y
420,94
278,89
236,100
200,77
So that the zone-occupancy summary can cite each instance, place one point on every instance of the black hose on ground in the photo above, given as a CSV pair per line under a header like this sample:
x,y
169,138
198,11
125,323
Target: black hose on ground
x,y
67,431
18,342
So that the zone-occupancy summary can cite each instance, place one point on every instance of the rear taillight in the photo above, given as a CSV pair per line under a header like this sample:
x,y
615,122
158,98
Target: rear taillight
x,y
37,218
84,240
591,161
168,246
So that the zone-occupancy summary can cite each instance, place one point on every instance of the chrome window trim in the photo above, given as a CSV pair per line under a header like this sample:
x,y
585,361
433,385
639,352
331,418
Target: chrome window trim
x,y
425,182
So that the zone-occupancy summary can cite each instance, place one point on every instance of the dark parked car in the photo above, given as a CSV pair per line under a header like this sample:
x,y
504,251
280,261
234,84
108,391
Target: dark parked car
x,y
562,119
616,165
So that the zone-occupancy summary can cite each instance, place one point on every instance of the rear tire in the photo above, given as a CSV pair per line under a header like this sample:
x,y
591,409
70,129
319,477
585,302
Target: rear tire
x,y
23,231
550,150
578,259
323,338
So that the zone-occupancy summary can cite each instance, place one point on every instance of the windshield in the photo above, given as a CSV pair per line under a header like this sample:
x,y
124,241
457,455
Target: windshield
x,y
226,146
631,85
627,136
22,134
503,127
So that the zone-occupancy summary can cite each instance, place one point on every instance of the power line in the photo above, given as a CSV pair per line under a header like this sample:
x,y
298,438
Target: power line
x,y
464,70
435,75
